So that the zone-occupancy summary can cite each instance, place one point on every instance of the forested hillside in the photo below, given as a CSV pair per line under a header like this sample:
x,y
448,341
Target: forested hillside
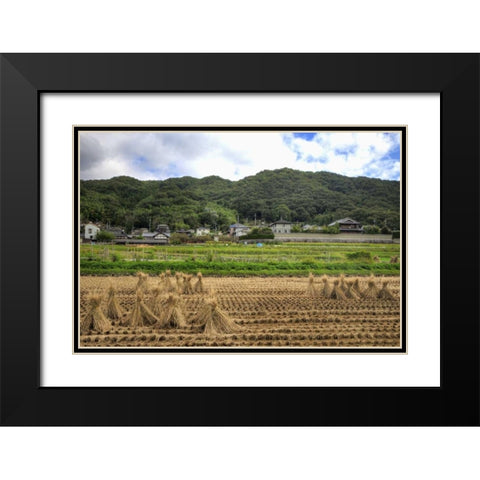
x,y
188,202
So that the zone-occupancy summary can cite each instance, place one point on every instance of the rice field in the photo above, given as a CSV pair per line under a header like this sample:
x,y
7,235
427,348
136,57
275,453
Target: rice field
x,y
259,312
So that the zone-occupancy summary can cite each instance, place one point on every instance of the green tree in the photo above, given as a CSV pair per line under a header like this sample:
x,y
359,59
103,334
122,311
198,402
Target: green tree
x,y
331,229
282,211
371,229
259,233
104,236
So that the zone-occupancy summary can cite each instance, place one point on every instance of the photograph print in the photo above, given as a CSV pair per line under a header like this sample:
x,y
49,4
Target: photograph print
x,y
240,239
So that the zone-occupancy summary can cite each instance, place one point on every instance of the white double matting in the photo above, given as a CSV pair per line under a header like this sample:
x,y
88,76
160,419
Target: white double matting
x,y
419,367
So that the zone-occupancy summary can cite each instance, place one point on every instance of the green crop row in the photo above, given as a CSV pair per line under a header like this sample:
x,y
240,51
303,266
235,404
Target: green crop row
x,y
229,268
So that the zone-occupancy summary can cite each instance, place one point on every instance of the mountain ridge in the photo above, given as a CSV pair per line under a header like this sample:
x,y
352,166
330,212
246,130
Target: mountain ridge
x,y
298,196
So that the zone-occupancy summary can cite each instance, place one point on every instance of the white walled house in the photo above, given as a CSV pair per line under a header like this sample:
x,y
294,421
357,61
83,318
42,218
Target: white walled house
x,y
90,232
238,230
281,226
202,231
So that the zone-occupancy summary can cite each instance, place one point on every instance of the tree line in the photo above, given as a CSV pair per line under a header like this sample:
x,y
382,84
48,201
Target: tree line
x,y
300,197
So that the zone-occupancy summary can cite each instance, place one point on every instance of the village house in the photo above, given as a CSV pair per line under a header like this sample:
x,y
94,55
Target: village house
x,y
163,228
347,225
202,231
90,231
281,226
237,230
156,237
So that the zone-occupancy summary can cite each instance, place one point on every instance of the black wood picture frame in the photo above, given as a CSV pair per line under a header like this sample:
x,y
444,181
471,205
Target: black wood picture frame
x,y
23,77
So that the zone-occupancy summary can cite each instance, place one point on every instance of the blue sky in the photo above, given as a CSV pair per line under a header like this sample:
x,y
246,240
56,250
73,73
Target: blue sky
x,y
235,155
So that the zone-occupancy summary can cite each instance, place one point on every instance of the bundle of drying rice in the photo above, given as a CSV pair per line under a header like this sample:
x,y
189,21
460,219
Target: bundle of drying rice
x,y
385,293
114,310
311,290
169,287
199,288
155,303
214,320
376,259
337,292
187,284
394,260
173,316
350,292
372,290
326,289
179,281
343,286
141,315
142,281
95,319
356,287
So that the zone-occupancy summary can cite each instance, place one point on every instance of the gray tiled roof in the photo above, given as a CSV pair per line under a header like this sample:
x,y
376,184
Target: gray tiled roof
x,y
343,220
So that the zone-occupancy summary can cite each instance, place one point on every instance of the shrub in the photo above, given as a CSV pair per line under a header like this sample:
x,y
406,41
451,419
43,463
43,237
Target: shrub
x,y
104,236
385,230
179,238
259,233
115,257
202,238
333,229
371,229
360,255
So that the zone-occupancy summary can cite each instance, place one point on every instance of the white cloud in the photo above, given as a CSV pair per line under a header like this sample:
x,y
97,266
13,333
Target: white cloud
x,y
233,155
349,153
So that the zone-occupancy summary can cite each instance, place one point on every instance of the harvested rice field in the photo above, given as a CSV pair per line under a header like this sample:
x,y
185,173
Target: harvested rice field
x,y
184,311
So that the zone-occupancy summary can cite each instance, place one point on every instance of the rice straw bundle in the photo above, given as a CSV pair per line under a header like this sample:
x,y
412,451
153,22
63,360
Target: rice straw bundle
x,y
356,287
173,316
155,303
337,292
169,287
142,281
141,315
326,290
372,290
179,280
187,285
343,286
376,259
394,260
311,290
385,293
114,310
214,320
95,319
199,288
350,292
